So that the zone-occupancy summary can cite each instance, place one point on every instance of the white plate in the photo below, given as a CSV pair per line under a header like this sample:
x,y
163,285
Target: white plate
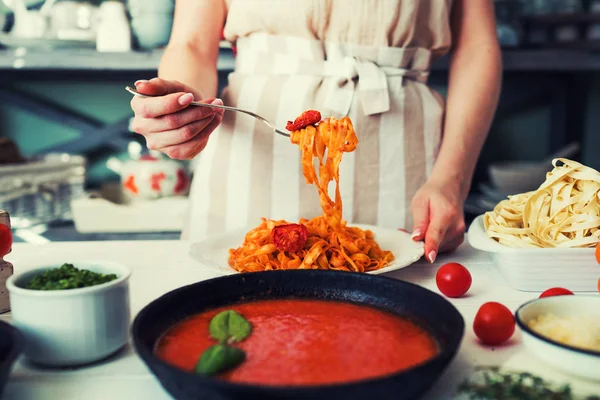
x,y
214,252
491,193
534,269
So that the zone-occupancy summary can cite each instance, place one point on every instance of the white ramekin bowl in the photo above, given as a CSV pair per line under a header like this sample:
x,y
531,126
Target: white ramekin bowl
x,y
568,359
74,326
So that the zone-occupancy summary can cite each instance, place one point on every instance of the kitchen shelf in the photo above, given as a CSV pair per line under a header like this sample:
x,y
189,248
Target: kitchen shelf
x,y
549,60
563,18
89,60
65,232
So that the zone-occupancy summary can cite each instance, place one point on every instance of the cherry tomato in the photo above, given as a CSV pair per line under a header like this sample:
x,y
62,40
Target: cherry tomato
x,y
494,323
289,237
453,279
555,291
6,240
598,285
598,252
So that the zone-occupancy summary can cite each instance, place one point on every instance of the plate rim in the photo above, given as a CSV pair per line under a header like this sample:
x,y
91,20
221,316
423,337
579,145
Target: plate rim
x,y
419,249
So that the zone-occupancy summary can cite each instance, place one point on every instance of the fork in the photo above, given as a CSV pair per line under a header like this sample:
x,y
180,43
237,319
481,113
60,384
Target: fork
x,y
197,103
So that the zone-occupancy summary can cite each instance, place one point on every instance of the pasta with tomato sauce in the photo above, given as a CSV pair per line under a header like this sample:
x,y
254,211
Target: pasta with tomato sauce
x,y
324,242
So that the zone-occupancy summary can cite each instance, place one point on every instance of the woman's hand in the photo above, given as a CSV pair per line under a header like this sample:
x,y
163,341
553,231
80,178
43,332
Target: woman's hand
x,y
168,123
438,216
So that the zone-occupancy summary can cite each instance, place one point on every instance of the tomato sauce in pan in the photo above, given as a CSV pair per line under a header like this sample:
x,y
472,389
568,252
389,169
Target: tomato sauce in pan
x,y
306,342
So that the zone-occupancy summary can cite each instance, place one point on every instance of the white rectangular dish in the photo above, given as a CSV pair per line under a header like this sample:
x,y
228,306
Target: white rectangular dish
x,y
109,212
535,270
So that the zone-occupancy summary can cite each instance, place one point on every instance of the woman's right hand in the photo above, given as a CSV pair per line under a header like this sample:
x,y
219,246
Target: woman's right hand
x,y
168,123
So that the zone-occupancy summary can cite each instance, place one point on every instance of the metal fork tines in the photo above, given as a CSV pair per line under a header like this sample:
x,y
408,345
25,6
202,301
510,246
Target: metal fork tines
x,y
197,103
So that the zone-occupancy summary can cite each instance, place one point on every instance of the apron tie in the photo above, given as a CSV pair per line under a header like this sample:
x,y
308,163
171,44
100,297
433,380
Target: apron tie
x,y
361,71
372,90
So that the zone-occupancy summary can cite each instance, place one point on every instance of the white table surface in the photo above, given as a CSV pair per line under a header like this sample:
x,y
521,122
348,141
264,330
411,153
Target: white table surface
x,y
160,266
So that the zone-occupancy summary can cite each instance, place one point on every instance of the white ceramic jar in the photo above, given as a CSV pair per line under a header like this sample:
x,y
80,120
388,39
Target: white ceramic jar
x,y
114,32
150,178
74,326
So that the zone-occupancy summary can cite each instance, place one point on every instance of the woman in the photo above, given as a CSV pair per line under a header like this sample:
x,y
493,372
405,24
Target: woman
x,y
369,62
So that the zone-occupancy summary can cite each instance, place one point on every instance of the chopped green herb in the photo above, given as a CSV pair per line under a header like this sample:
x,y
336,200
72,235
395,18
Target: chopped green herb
x,y
494,384
68,277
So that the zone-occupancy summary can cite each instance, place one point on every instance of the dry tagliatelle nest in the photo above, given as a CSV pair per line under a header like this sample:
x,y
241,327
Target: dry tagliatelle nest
x,y
563,212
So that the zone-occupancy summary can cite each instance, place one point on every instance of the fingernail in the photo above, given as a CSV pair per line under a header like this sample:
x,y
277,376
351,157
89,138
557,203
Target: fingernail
x,y
186,99
432,255
416,233
217,102
140,81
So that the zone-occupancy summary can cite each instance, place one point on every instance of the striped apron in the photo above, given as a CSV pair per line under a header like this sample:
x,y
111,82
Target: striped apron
x,y
247,172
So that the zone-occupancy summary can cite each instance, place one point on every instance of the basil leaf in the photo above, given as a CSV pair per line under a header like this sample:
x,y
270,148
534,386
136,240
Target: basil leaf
x,y
239,327
219,358
219,326
229,325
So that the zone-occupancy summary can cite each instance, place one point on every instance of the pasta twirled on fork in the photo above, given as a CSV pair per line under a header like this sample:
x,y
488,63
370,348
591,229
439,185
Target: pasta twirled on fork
x,y
324,242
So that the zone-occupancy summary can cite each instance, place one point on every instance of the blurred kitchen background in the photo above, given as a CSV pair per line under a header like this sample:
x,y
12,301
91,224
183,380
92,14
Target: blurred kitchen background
x,y
70,167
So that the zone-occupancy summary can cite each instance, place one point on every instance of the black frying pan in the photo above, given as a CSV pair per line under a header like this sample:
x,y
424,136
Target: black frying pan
x,y
11,345
430,310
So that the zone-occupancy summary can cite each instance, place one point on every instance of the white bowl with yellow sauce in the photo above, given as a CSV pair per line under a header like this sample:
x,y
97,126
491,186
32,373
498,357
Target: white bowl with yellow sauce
x,y
564,332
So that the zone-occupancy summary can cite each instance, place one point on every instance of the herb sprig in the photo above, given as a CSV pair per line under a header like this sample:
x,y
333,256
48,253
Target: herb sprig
x,y
226,327
508,385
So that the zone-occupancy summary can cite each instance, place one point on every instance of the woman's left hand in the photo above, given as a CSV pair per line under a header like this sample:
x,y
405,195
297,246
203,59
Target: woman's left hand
x,y
438,216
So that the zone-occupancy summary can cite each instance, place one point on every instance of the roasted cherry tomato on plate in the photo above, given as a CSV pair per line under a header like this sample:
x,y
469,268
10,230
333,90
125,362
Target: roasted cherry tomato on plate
x,y
494,323
289,237
6,240
598,284
555,291
598,253
453,279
